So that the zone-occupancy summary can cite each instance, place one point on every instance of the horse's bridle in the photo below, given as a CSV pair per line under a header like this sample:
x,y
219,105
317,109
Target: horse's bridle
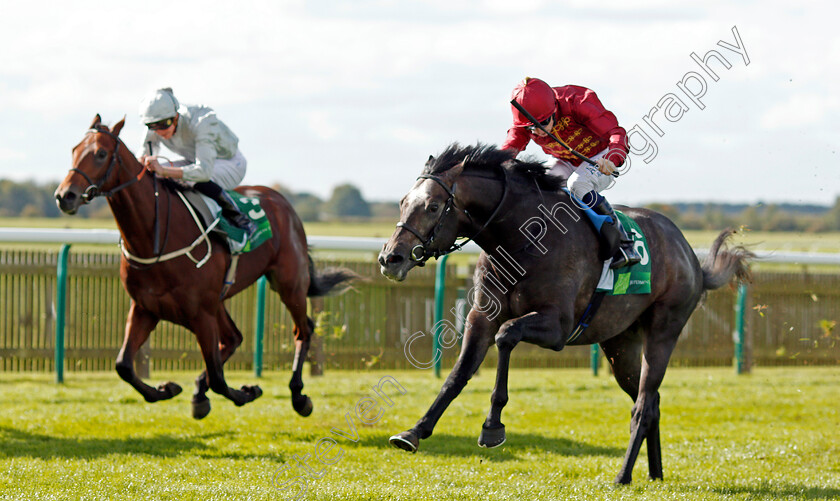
x,y
93,190
421,252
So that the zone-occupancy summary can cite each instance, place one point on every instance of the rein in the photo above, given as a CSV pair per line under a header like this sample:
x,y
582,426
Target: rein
x,y
421,252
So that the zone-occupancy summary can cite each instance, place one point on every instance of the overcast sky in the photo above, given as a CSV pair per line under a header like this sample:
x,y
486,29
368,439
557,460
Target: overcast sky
x,y
326,92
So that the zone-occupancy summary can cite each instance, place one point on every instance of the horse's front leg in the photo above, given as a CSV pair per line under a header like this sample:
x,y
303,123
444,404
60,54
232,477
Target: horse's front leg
x,y
138,326
477,339
542,329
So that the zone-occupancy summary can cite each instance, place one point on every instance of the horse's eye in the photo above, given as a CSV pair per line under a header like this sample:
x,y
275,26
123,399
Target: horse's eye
x,y
101,154
433,207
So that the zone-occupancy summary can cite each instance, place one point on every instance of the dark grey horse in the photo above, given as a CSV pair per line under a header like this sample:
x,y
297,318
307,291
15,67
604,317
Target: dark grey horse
x,y
536,276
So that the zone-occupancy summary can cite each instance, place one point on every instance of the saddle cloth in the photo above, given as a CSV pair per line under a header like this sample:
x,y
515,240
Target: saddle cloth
x,y
633,279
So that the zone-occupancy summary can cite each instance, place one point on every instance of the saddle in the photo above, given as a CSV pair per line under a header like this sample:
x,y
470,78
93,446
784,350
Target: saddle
x,y
209,217
200,203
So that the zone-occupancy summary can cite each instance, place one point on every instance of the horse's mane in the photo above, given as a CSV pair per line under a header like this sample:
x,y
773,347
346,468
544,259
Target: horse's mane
x,y
485,158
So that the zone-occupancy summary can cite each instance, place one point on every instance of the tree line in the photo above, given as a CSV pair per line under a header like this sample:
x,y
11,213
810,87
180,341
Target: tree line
x,y
31,199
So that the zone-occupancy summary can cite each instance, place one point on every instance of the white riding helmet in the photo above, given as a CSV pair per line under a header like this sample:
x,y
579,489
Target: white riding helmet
x,y
159,105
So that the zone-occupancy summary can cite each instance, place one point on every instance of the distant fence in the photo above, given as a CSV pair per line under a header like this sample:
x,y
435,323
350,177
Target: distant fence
x,y
788,316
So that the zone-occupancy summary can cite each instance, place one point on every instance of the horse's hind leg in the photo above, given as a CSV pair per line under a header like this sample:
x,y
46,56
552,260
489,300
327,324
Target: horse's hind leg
x,y
624,353
303,337
231,338
138,326
665,327
292,292
654,450
207,331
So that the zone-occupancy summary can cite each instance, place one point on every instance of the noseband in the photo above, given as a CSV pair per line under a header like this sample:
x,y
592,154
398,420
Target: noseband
x,y
422,252
93,189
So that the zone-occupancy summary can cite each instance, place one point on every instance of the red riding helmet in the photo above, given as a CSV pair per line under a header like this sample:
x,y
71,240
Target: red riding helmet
x,y
535,96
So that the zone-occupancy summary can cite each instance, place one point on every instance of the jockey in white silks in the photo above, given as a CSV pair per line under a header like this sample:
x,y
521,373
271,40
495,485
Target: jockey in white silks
x,y
211,163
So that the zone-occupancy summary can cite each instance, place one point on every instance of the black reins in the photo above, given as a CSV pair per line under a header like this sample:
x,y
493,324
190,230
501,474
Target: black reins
x,y
422,252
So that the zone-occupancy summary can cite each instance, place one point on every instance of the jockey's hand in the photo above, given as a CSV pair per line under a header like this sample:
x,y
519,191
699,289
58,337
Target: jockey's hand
x,y
606,166
151,163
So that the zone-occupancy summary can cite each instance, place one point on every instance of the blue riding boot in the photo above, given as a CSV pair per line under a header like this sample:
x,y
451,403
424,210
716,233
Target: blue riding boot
x,y
612,233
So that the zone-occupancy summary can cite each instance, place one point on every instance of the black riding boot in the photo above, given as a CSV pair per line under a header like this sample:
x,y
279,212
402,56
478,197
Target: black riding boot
x,y
229,208
626,254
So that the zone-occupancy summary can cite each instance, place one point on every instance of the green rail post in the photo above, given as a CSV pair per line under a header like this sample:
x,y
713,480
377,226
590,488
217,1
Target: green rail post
x,y
60,309
259,322
738,335
594,354
440,286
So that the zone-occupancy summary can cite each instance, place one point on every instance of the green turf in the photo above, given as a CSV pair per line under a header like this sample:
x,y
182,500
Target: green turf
x,y
771,435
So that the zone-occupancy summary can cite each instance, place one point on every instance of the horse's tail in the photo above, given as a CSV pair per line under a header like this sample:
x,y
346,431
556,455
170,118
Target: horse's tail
x,y
323,282
723,263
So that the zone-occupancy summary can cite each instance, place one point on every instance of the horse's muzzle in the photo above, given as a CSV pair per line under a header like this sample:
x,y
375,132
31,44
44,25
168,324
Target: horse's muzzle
x,y
394,265
67,200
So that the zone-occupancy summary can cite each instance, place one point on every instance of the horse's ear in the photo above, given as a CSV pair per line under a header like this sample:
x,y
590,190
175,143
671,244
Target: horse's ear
x,y
118,127
453,172
430,160
96,121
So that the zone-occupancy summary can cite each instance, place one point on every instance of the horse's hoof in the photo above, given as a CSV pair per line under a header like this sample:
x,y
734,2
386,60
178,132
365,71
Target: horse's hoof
x,y
200,408
624,477
169,390
491,437
254,391
406,441
303,405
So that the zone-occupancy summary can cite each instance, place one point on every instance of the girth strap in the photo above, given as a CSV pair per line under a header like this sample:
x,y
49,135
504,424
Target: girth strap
x,y
230,276
588,314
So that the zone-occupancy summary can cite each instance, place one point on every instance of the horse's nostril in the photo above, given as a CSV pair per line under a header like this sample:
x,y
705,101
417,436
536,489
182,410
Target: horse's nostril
x,y
388,259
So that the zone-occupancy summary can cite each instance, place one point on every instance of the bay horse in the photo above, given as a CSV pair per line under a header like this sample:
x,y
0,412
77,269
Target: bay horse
x,y
535,277
180,291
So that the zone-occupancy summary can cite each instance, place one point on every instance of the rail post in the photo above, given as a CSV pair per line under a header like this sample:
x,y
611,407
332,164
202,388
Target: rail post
x,y
440,287
738,334
259,323
60,310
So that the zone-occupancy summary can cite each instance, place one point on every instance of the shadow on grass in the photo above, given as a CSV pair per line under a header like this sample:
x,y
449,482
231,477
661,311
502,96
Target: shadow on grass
x,y
467,445
19,443
784,491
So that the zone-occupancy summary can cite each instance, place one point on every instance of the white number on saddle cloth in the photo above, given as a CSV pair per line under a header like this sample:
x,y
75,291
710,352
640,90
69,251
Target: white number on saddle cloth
x,y
639,245
257,213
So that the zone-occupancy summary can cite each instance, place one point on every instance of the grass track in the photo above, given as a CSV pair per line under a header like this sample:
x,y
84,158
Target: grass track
x,y
771,435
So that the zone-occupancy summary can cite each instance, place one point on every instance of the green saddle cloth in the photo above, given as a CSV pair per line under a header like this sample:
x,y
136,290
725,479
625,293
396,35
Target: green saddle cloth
x,y
250,206
633,279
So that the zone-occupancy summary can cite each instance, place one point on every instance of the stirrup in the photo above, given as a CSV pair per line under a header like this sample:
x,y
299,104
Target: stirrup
x,y
623,259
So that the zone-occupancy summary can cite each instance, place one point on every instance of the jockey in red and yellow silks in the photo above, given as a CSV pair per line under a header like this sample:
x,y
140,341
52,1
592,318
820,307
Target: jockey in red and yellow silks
x,y
576,116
